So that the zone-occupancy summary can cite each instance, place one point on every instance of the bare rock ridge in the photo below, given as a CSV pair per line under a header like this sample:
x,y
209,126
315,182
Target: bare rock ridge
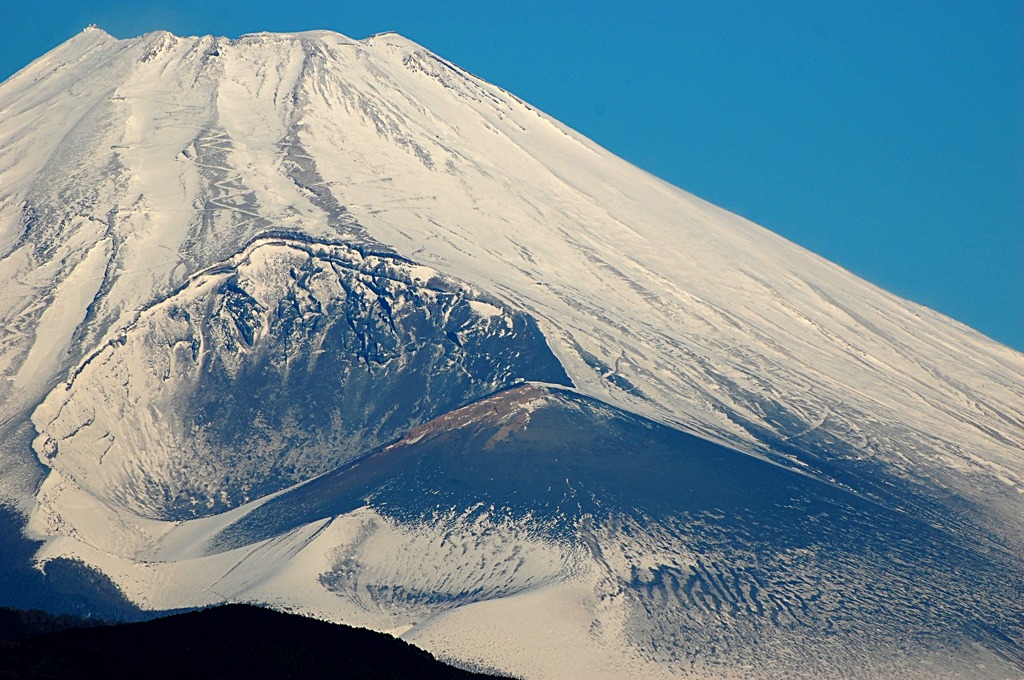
x,y
335,326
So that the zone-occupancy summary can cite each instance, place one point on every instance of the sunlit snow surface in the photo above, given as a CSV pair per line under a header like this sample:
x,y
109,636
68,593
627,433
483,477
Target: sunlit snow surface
x,y
337,326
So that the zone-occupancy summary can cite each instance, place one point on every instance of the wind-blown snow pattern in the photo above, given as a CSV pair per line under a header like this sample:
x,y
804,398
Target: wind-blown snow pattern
x,y
336,326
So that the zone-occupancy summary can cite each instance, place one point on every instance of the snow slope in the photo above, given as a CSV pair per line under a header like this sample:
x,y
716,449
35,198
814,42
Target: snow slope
x,y
143,181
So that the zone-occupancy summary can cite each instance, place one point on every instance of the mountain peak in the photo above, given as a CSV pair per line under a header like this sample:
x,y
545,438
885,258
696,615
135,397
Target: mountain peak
x,y
96,30
315,34
392,38
297,267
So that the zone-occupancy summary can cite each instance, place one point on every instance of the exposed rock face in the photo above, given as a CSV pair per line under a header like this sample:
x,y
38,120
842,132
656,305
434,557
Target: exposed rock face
x,y
284,363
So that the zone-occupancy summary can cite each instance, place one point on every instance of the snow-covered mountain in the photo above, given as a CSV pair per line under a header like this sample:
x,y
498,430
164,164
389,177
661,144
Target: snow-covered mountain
x,y
337,326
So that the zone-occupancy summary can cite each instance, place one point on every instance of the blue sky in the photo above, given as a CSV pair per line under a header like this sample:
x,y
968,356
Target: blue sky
x,y
885,136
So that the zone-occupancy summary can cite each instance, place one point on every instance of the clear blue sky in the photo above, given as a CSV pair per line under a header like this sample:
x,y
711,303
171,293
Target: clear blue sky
x,y
886,136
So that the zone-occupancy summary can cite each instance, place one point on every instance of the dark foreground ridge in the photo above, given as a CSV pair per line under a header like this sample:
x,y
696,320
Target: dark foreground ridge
x,y
231,641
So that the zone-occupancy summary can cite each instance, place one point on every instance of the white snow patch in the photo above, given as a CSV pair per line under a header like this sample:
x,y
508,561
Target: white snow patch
x,y
485,309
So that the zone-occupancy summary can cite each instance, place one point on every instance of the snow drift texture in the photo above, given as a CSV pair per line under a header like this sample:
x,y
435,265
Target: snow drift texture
x,y
337,326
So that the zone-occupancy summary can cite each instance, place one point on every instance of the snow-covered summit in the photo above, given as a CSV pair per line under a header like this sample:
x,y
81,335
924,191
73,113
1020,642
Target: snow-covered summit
x,y
180,150
139,178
